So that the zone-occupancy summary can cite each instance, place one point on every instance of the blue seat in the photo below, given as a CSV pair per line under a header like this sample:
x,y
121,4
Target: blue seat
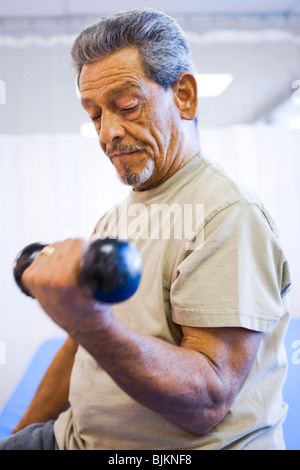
x,y
23,394
291,391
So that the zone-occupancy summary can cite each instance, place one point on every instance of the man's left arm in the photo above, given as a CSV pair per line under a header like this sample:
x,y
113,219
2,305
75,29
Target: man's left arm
x,y
192,385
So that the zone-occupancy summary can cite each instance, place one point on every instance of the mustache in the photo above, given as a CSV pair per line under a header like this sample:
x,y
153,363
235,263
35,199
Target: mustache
x,y
124,148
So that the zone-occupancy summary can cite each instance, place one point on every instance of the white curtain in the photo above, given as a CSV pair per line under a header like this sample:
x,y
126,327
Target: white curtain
x,y
54,187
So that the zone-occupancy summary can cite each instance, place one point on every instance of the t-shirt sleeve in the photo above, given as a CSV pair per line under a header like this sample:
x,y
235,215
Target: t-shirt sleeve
x,y
236,277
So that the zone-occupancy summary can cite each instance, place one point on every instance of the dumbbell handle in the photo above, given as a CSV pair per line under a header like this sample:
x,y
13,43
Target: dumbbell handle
x,y
110,269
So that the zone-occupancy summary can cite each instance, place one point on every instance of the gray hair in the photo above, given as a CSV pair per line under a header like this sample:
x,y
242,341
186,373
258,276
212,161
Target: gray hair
x,y
163,47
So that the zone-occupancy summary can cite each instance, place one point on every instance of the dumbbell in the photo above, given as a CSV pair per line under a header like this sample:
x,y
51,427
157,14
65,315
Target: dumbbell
x,y
110,269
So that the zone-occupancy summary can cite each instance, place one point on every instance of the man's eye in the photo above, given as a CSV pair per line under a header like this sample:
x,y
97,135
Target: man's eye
x,y
131,109
95,118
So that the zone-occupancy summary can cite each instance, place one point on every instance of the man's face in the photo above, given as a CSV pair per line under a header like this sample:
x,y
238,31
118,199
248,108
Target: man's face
x,y
135,118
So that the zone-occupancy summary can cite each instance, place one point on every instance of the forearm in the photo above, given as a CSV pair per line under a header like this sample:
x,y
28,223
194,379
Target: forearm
x,y
192,385
51,397
178,383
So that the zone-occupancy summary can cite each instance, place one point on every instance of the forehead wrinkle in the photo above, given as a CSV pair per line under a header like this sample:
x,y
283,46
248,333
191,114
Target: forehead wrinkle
x,y
136,87
124,64
91,76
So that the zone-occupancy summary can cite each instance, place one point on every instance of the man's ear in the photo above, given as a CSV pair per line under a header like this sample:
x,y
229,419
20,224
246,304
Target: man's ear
x,y
186,96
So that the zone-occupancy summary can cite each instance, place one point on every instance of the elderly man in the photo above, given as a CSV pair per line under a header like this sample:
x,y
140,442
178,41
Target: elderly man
x,y
195,359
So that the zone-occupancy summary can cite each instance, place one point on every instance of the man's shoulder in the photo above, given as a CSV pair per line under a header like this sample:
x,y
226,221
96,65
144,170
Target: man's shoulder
x,y
210,184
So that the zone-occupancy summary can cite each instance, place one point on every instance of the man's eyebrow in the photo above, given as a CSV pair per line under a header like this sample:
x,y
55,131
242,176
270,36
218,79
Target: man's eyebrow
x,y
128,87
87,101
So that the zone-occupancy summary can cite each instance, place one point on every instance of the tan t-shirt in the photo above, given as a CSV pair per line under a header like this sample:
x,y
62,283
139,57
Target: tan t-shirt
x,y
212,258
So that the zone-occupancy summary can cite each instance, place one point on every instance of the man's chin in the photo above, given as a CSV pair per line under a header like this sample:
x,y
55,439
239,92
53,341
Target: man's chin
x,y
136,179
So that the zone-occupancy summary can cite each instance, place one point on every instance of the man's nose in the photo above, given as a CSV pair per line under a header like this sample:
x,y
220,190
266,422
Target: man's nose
x,y
111,129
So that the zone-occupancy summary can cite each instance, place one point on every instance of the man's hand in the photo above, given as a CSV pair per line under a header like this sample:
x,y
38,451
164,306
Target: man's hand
x,y
55,282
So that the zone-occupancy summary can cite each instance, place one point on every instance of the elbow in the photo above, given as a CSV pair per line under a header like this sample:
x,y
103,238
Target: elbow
x,y
218,399
206,416
206,420
209,419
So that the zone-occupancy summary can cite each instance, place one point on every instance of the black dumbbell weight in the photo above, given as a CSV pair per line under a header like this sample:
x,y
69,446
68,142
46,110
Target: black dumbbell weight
x,y
110,269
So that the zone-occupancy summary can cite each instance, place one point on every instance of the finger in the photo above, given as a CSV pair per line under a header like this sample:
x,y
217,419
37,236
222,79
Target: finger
x,y
33,270
56,267
69,254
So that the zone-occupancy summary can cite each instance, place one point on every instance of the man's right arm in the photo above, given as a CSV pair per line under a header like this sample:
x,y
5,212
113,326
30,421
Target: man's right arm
x,y
51,397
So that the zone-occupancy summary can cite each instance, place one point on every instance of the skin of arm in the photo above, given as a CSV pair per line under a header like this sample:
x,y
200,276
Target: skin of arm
x,y
192,385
